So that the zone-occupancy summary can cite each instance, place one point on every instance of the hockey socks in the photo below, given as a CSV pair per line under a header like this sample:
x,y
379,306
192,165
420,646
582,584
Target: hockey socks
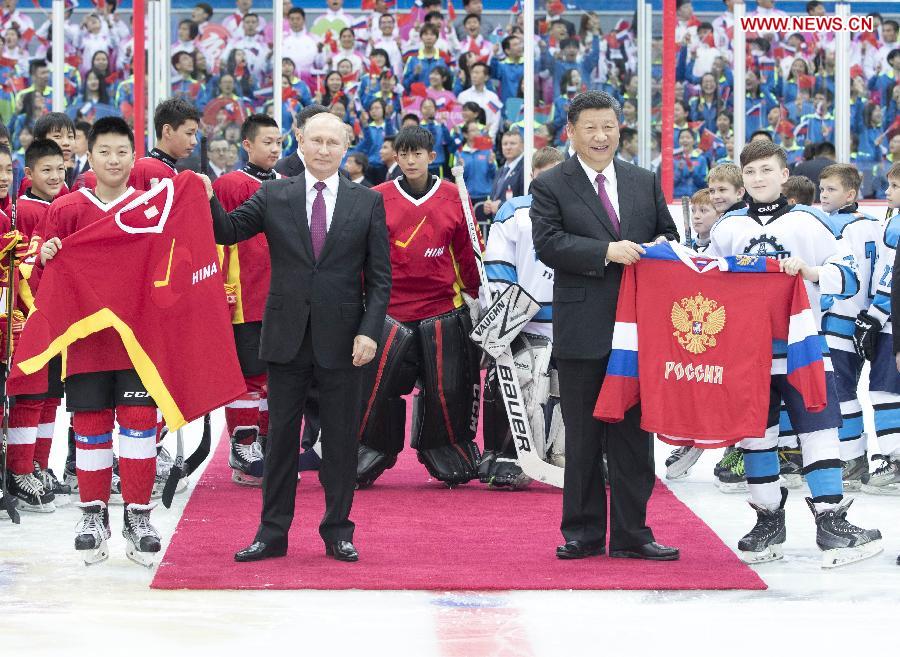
x,y
23,429
243,412
822,468
763,469
93,454
137,452
46,426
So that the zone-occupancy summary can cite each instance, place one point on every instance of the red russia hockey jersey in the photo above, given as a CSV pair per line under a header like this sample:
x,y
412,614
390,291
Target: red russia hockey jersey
x,y
431,253
705,328
246,265
173,320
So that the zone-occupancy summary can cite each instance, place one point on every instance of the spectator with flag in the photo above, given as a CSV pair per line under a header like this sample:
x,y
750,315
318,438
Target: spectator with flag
x,y
332,21
759,100
477,155
689,167
386,41
443,141
373,130
473,7
234,22
472,39
509,71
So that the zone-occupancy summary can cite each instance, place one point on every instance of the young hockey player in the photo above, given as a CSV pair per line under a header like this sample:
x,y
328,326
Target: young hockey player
x,y
874,341
432,266
802,239
101,384
510,258
57,127
247,272
34,416
838,191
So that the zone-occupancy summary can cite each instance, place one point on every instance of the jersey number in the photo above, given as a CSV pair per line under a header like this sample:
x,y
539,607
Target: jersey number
x,y
871,255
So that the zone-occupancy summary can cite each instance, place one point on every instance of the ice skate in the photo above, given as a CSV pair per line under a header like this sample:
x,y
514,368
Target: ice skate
x,y
853,472
92,532
842,542
732,478
680,462
765,542
790,459
61,492
246,460
30,492
164,464
142,539
885,479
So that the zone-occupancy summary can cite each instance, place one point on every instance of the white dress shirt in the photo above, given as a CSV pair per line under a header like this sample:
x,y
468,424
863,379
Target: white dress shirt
x,y
330,194
612,189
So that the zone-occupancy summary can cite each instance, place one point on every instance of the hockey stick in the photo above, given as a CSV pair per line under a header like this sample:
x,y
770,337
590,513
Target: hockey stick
x,y
186,467
183,468
510,390
686,218
7,501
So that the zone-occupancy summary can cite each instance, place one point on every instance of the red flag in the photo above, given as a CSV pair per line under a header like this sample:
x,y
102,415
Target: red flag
x,y
707,139
100,4
418,89
856,71
36,3
483,143
329,41
357,128
352,77
806,81
710,40
73,60
8,62
893,129
239,70
473,46
368,5
515,8
112,78
871,38
451,10
555,7
785,127
374,68
28,34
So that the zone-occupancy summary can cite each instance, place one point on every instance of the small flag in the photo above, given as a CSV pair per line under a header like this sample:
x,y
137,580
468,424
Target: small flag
x,y
451,10
806,82
483,143
418,89
330,42
6,62
515,8
555,7
360,24
494,107
374,68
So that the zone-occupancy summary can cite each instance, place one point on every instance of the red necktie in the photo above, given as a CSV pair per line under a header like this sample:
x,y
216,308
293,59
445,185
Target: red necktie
x,y
317,224
607,204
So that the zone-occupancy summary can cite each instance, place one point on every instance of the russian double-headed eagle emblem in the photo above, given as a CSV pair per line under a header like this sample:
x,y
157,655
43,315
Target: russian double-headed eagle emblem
x,y
697,320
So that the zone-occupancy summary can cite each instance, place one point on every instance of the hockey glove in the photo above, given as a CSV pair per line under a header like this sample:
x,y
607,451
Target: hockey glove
x,y
865,335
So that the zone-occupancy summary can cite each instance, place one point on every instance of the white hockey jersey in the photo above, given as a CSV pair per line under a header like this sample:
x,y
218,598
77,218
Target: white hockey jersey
x,y
510,258
880,307
780,230
862,234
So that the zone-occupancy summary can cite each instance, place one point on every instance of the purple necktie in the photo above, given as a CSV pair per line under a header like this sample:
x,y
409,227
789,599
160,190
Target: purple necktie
x,y
317,224
607,204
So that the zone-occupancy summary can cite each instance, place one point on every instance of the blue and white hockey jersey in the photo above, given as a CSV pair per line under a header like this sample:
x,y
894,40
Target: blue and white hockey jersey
x,y
880,308
781,231
862,234
510,258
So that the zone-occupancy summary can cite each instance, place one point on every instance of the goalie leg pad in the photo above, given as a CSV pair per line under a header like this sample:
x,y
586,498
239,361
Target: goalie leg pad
x,y
451,382
391,374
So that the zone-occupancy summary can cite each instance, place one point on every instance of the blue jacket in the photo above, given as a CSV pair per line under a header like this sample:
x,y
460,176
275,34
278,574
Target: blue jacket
x,y
443,141
508,75
479,172
689,173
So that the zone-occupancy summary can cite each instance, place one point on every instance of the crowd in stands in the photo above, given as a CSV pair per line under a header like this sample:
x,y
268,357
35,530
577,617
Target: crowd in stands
x,y
458,72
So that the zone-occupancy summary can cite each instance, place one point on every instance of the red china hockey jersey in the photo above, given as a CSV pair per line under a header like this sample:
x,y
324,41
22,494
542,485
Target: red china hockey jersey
x,y
431,253
146,172
246,265
173,321
693,344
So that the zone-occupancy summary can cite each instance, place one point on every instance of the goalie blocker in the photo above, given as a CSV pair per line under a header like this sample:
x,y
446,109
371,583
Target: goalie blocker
x,y
436,354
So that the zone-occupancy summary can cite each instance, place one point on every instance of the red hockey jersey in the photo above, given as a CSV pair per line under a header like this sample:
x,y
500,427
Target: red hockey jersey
x,y
150,170
163,252
246,265
25,185
705,329
102,351
431,254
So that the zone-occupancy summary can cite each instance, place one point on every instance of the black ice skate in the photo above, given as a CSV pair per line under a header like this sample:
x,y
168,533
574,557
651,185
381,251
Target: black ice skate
x,y
841,541
885,480
853,471
142,539
164,465
790,460
61,491
765,542
30,492
92,532
680,462
246,460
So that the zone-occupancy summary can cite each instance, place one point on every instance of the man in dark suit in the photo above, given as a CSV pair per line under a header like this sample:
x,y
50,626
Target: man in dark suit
x,y
510,179
590,216
330,286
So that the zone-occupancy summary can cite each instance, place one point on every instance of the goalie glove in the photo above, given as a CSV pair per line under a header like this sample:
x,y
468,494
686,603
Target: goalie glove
x,y
865,335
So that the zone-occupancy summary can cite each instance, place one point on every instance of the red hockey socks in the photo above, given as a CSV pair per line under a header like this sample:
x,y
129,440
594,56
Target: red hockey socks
x,y
45,429
23,429
137,452
93,454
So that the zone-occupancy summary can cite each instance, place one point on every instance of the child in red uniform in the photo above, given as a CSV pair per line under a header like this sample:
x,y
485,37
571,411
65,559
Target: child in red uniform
x,y
247,272
33,417
432,266
100,379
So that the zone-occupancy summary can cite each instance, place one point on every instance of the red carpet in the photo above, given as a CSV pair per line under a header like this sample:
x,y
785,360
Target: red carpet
x,y
413,533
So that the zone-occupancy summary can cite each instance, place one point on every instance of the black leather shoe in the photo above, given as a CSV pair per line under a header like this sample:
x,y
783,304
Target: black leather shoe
x,y
652,551
259,551
342,551
579,550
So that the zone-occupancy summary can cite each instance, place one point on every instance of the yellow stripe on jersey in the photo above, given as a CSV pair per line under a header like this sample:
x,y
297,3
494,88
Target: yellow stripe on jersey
x,y
234,279
146,369
458,284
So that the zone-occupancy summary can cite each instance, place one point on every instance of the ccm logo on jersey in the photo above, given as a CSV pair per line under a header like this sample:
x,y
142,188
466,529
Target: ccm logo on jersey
x,y
135,395
206,272
698,373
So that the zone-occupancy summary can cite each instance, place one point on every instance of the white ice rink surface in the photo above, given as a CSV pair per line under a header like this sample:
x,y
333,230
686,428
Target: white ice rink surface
x,y
51,603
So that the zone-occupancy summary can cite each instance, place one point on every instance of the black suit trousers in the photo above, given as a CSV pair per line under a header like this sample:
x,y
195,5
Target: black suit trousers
x,y
340,393
629,457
